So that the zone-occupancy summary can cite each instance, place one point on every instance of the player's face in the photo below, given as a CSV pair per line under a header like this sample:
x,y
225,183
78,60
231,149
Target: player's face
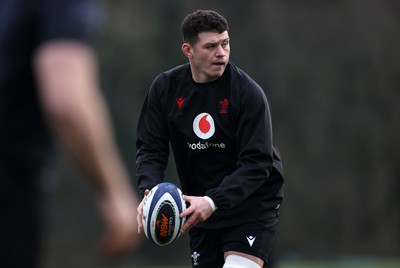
x,y
209,56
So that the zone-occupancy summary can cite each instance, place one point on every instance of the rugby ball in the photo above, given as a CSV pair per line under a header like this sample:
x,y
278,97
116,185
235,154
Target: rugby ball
x,y
161,210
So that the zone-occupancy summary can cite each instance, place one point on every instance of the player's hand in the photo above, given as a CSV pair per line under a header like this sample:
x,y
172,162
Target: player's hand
x,y
118,212
198,211
140,213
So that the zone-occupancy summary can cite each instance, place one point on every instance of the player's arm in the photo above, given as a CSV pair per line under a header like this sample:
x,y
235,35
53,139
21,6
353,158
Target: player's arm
x,y
152,141
255,152
67,77
152,144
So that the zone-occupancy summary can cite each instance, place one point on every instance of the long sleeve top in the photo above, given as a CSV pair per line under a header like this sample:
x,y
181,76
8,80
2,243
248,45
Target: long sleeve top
x,y
221,137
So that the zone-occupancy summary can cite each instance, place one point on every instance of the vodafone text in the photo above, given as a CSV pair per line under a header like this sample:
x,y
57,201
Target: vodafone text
x,y
205,145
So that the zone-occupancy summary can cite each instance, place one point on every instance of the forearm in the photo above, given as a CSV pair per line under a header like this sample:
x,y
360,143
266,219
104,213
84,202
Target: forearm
x,y
76,110
86,135
150,166
152,144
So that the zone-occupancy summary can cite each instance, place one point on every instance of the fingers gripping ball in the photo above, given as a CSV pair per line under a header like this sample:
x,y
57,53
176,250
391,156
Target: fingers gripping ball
x,y
161,210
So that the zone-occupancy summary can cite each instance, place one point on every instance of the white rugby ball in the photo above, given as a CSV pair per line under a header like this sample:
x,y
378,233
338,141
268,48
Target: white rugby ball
x,y
161,210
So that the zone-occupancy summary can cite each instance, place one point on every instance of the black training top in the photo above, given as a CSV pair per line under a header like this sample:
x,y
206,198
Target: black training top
x,y
221,137
25,142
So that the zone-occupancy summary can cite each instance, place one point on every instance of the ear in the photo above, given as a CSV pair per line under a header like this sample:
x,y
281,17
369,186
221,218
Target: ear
x,y
187,50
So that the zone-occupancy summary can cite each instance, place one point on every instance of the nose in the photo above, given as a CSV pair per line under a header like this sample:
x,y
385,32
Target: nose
x,y
220,51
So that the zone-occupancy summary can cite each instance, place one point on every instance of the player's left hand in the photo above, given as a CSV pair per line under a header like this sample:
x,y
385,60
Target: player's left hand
x,y
198,211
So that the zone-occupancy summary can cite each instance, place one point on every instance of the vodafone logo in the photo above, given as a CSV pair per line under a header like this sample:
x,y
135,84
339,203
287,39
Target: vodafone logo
x,y
203,126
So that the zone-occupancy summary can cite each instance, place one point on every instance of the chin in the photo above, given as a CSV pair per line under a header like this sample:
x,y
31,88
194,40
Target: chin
x,y
219,74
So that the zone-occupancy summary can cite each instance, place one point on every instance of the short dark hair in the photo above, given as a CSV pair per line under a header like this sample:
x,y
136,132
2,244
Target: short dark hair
x,y
202,21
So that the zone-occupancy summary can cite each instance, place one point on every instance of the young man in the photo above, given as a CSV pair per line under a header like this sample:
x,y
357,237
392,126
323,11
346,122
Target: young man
x,y
48,81
217,120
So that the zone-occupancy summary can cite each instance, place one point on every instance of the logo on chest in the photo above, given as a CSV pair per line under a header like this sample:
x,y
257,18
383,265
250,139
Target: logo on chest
x,y
180,102
203,126
224,106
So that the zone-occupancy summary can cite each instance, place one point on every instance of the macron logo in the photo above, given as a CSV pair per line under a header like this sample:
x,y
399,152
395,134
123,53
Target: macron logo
x,y
250,239
180,102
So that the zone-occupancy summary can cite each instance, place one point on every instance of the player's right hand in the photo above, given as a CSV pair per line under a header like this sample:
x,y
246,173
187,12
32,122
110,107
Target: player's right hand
x,y
118,210
198,211
140,213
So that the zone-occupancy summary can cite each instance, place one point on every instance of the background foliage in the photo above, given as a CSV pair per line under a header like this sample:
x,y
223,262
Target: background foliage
x,y
331,70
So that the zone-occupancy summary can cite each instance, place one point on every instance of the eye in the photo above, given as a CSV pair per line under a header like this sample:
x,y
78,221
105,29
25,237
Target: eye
x,y
225,44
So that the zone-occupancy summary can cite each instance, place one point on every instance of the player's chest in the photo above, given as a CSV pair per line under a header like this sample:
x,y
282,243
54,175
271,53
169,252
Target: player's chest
x,y
201,113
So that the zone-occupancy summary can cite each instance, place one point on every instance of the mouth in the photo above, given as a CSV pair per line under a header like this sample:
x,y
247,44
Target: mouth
x,y
219,63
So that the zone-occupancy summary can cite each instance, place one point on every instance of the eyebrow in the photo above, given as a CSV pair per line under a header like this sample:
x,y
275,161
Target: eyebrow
x,y
216,42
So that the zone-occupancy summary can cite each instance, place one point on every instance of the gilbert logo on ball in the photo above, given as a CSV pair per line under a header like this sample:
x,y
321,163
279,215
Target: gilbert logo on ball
x,y
161,210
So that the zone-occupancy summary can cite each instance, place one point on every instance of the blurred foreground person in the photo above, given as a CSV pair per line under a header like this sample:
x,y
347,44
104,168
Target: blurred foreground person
x,y
218,123
49,89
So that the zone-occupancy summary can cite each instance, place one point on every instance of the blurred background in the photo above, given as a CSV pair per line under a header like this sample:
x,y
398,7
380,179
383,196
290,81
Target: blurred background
x,y
331,71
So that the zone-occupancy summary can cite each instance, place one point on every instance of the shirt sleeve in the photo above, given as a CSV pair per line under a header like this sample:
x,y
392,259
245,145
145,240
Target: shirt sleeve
x,y
254,149
78,20
152,141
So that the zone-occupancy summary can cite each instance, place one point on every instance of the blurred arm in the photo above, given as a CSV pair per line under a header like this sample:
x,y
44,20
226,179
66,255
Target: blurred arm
x,y
68,84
